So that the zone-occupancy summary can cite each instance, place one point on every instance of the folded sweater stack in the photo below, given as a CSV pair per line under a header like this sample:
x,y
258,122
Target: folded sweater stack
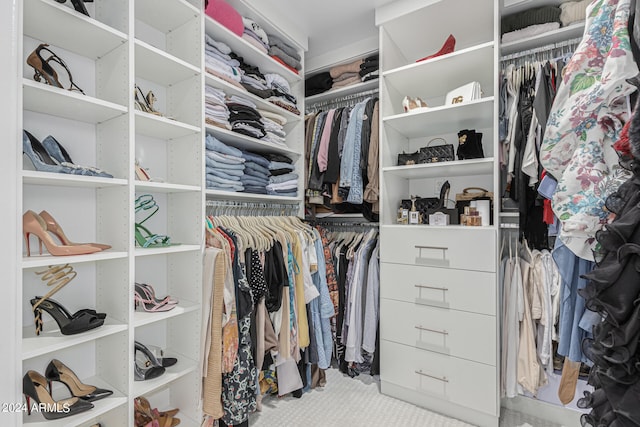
x,y
215,107
540,20
282,96
224,166
255,35
284,179
284,53
256,173
244,117
274,127
346,74
219,62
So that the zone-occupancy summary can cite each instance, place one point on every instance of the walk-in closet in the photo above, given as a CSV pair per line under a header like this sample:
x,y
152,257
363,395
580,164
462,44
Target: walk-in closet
x,y
285,213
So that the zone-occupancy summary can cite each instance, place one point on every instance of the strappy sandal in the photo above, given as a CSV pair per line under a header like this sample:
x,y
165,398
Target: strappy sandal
x,y
145,102
44,70
146,366
149,304
143,236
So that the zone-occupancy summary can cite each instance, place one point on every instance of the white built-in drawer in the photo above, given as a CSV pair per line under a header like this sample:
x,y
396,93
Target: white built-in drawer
x,y
456,333
469,384
473,291
468,248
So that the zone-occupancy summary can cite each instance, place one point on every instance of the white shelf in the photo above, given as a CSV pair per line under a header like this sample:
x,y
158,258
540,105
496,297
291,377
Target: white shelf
x,y
141,318
67,180
263,104
51,339
217,194
439,120
165,15
248,143
166,250
161,127
162,187
62,26
160,67
101,406
447,72
179,370
443,169
46,260
335,93
510,214
457,227
250,53
572,31
42,98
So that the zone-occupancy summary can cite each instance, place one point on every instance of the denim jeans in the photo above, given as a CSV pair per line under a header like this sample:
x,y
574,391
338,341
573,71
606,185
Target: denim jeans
x,y
214,144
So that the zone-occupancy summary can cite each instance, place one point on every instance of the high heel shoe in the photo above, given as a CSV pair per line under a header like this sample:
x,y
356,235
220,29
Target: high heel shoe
x,y
145,102
143,236
152,294
58,152
146,366
78,5
413,104
32,223
79,322
143,299
34,386
160,359
39,156
54,228
448,47
58,371
44,70
141,173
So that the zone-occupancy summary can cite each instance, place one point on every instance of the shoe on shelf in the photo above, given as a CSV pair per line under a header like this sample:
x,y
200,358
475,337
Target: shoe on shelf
x,y
413,105
54,228
43,69
152,294
40,158
59,154
143,298
32,223
146,416
144,238
160,358
34,386
145,102
78,5
58,371
141,173
146,366
81,321
448,47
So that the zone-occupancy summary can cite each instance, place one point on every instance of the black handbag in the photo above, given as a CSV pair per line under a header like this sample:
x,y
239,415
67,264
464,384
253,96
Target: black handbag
x,y
438,153
406,159
428,205
470,145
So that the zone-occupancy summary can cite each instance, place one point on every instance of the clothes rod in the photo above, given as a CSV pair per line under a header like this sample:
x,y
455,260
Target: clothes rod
x,y
346,97
553,46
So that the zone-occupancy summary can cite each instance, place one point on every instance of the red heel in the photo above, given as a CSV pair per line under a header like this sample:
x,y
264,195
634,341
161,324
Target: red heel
x,y
448,47
28,404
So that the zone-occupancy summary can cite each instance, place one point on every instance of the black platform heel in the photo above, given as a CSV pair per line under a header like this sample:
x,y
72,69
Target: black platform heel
x,y
81,321
78,5
34,386
58,371
44,70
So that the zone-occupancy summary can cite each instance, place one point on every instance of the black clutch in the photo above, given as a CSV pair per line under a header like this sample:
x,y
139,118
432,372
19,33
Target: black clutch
x,y
438,153
406,159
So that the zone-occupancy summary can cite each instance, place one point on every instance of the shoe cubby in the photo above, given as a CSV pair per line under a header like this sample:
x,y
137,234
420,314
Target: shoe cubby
x,y
179,396
174,165
119,416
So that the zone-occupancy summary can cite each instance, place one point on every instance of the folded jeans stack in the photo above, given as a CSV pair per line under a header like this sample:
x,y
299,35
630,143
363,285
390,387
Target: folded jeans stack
x,y
215,107
224,166
284,179
282,96
274,127
244,117
255,35
220,63
256,173
284,53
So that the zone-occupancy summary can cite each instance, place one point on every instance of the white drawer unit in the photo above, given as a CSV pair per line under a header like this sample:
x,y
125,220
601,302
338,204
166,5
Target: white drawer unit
x,y
457,333
472,291
447,247
469,384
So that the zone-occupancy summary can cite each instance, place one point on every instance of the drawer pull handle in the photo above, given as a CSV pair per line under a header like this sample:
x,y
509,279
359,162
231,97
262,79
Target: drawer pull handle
x,y
432,330
436,262
443,379
435,288
440,248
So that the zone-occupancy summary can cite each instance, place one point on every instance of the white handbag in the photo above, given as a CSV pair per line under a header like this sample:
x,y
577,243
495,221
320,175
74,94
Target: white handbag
x,y
469,92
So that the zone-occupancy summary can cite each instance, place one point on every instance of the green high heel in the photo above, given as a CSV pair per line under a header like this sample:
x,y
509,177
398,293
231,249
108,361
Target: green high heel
x,y
144,237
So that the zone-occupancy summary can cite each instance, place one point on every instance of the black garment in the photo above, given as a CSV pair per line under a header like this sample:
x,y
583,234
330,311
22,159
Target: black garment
x,y
365,140
276,172
275,157
343,264
317,84
316,177
262,93
332,173
372,58
276,277
367,70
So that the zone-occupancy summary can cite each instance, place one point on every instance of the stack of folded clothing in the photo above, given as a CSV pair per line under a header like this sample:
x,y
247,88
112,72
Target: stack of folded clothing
x,y
252,79
346,74
284,180
282,96
369,68
320,83
219,63
274,127
284,53
255,35
215,108
256,173
530,22
244,117
224,166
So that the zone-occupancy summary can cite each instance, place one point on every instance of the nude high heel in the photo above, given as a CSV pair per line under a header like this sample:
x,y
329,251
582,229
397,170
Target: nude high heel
x,y
32,223
54,228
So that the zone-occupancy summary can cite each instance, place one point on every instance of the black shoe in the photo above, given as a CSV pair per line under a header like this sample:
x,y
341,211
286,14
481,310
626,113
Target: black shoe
x,y
81,321
34,386
58,371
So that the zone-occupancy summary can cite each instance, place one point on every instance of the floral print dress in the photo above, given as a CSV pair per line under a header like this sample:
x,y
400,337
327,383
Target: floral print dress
x,y
586,118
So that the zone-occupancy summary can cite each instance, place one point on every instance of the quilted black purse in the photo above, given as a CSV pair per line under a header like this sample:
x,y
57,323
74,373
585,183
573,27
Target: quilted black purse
x,y
438,153
406,159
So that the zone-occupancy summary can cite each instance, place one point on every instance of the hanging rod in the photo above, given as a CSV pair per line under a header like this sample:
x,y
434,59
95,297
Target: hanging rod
x,y
341,99
243,208
330,224
558,45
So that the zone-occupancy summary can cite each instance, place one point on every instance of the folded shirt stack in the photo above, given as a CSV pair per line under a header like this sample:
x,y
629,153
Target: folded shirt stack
x,y
346,74
511,24
274,127
369,69
244,117
220,63
224,166
320,83
284,53
284,180
256,173
282,93
215,107
255,35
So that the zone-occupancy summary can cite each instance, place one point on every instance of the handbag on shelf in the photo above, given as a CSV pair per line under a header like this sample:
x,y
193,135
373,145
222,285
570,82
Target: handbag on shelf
x,y
470,145
469,92
470,194
407,159
429,205
438,153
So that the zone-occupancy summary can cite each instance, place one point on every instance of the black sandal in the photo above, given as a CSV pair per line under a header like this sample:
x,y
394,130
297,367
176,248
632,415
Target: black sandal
x,y
81,321
44,70
149,367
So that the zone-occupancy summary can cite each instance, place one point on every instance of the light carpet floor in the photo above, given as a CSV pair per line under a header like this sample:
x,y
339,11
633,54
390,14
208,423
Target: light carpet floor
x,y
356,402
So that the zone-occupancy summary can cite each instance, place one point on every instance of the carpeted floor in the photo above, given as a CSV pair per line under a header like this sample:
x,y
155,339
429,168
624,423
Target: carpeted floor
x,y
356,402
